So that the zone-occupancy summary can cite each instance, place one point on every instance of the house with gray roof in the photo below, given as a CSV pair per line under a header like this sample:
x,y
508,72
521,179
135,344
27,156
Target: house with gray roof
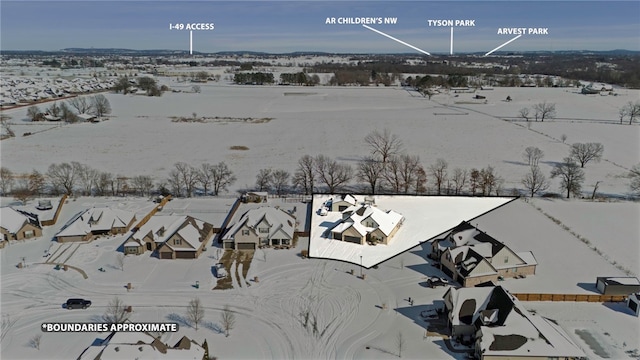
x,y
263,226
501,328
96,221
173,237
470,257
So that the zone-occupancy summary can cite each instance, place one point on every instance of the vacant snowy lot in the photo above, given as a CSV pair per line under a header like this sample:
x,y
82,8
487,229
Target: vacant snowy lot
x,y
140,138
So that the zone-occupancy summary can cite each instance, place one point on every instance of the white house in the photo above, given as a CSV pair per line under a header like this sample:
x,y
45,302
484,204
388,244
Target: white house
x,y
367,223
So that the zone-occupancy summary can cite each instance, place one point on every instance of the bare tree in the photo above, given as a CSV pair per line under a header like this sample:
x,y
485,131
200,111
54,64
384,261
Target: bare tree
x,y
304,177
571,176
36,182
532,155
583,153
263,179
489,180
86,176
370,170
33,112
103,181
228,320
6,180
420,181
100,105
439,172
116,312
143,184
535,181
221,177
632,110
175,182
393,174
279,181
409,169
544,110
81,104
188,177
54,109
563,138
205,177
383,144
34,342
196,89
524,113
195,312
62,176
474,180
332,174
634,176
399,343
459,180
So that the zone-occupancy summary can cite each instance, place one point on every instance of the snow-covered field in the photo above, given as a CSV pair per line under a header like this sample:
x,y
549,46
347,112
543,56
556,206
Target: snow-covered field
x,y
140,138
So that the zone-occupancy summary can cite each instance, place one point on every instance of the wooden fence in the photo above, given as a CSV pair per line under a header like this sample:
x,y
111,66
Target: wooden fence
x,y
55,217
570,297
153,211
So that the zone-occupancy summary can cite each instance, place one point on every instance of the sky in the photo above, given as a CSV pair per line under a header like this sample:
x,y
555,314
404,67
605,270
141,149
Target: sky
x,y
286,26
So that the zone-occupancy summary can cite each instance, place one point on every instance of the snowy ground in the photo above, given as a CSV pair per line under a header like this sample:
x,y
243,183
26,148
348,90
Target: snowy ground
x,y
424,218
140,138
333,121
268,311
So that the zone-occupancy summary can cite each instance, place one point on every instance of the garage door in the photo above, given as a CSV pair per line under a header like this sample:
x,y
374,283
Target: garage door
x,y
352,239
165,255
246,246
185,254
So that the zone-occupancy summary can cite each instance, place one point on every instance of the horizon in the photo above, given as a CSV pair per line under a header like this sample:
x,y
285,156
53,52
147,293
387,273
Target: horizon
x,y
278,27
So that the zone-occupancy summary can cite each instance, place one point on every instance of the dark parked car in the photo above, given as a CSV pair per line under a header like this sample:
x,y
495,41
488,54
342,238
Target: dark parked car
x,y
78,304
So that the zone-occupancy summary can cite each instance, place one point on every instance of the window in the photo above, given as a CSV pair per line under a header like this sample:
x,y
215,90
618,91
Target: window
x,y
177,241
245,232
506,259
264,230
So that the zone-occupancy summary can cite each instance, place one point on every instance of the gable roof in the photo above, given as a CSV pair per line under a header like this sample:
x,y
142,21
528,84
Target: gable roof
x,y
506,327
12,220
356,217
96,219
160,228
278,220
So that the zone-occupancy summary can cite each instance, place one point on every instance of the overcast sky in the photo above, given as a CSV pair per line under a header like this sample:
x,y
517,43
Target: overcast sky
x,y
285,26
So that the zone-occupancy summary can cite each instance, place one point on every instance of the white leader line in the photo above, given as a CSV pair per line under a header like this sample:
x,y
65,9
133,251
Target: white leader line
x,y
502,45
394,39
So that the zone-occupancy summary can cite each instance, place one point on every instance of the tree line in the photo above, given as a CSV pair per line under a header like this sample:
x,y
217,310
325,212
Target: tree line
x,y
97,105
387,169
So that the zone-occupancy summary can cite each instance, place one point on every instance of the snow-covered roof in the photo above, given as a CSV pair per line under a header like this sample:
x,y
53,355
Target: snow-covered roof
x,y
96,219
506,327
12,220
358,216
142,346
163,227
278,220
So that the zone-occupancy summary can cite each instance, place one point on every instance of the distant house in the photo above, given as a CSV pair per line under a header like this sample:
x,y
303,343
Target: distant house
x,y
363,224
471,257
501,328
142,345
343,202
174,237
255,197
18,225
87,117
96,221
264,226
617,285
